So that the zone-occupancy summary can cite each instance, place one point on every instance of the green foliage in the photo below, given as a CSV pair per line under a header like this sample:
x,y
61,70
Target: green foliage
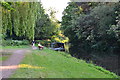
x,y
46,26
6,5
43,27
70,13
21,21
15,42
93,31
28,20
59,38
15,47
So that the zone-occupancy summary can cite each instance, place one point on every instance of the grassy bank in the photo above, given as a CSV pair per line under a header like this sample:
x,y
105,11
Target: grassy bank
x,y
58,65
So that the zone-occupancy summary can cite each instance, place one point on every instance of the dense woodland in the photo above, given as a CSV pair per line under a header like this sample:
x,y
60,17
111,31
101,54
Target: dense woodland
x,y
93,29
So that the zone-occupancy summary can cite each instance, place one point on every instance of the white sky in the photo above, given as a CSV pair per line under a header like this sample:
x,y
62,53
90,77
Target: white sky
x,y
58,5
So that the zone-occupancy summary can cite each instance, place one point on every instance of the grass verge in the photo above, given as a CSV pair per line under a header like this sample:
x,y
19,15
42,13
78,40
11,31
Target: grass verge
x,y
58,65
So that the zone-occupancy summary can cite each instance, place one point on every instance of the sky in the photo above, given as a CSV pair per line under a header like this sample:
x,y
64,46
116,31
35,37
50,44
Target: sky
x,y
58,5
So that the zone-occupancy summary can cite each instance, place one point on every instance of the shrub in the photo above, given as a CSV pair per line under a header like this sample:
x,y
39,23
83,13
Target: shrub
x,y
14,42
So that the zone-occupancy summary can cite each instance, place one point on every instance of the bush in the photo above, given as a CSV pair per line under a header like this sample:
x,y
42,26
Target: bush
x,y
14,42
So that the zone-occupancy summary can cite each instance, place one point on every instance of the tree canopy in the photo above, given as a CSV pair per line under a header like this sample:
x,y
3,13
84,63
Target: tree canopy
x,y
92,28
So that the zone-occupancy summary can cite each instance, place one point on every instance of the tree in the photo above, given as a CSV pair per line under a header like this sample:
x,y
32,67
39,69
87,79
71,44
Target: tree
x,y
19,19
70,13
46,26
88,31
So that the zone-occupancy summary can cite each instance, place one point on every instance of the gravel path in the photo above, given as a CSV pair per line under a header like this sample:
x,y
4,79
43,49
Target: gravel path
x,y
9,66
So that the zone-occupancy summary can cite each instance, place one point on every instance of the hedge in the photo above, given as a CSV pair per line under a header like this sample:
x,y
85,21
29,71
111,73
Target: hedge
x,y
15,42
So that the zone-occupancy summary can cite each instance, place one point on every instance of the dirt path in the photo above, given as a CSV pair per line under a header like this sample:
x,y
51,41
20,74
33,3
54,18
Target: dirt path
x,y
9,66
